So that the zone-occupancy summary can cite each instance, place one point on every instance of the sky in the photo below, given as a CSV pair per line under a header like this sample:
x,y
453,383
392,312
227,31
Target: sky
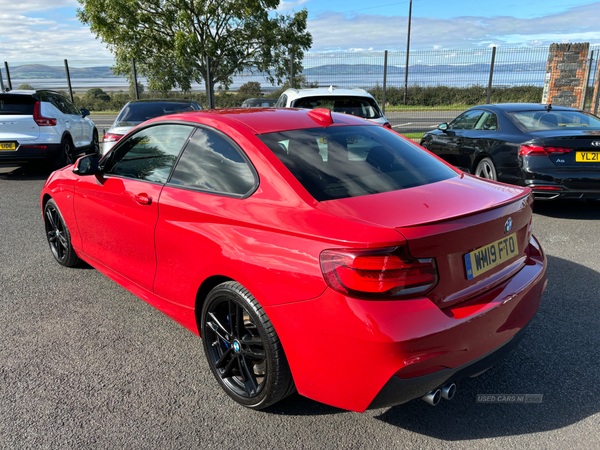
x,y
48,30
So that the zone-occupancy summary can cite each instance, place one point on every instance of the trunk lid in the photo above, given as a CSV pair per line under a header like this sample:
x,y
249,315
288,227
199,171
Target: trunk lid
x,y
448,220
585,145
18,128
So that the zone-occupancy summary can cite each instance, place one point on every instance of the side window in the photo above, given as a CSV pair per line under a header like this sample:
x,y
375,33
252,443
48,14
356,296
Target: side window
x,y
487,121
70,106
282,101
466,121
150,153
58,102
212,163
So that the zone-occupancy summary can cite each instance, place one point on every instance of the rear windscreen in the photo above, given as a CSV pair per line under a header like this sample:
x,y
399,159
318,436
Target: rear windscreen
x,y
350,161
554,120
364,107
135,113
16,105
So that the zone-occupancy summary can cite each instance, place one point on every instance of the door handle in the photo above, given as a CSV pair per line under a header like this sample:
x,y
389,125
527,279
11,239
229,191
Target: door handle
x,y
142,199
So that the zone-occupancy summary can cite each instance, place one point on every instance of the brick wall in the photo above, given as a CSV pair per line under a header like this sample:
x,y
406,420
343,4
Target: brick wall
x,y
595,100
565,74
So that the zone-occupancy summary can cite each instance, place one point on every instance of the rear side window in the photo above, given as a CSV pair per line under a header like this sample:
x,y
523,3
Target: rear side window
x,y
341,162
18,105
364,107
212,163
554,120
135,113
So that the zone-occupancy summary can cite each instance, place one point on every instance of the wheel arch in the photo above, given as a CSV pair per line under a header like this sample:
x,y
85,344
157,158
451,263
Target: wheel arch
x,y
478,158
207,285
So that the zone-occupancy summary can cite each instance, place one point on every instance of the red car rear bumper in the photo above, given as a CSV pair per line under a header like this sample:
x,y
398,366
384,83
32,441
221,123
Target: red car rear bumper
x,y
354,353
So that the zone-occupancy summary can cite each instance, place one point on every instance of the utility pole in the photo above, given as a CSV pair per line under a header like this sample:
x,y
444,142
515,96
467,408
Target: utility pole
x,y
407,53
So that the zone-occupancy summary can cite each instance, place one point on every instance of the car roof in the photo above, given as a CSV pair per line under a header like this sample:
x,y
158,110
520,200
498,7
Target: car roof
x,y
511,107
163,100
264,120
329,92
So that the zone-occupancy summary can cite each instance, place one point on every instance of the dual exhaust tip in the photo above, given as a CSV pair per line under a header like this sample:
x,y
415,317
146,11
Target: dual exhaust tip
x,y
434,397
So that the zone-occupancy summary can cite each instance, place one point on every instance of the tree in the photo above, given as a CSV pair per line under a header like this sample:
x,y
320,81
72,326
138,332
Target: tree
x,y
170,40
251,89
26,87
97,94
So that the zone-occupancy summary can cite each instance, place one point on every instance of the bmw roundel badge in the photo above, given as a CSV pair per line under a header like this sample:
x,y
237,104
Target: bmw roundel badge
x,y
508,225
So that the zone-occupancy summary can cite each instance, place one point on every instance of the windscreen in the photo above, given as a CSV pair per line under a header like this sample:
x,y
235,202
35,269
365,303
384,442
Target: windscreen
x,y
19,105
135,113
364,107
554,120
350,161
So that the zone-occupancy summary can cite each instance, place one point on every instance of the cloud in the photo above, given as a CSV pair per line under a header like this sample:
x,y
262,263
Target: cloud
x,y
7,6
336,31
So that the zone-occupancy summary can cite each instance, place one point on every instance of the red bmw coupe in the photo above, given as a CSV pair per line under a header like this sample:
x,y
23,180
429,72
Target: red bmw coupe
x,y
312,251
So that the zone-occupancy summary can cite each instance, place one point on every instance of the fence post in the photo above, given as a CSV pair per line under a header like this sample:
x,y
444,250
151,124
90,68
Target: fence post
x,y
489,89
407,53
292,70
384,80
69,80
210,98
7,75
587,81
135,85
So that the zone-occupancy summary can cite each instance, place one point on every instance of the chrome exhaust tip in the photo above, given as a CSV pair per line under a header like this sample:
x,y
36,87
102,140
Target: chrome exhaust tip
x,y
433,398
448,391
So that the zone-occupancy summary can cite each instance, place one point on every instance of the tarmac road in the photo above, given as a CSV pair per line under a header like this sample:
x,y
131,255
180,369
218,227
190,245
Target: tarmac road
x,y
85,364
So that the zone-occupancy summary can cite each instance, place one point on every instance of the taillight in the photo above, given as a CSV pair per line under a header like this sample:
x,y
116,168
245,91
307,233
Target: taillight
x,y
536,150
111,137
389,272
41,120
387,125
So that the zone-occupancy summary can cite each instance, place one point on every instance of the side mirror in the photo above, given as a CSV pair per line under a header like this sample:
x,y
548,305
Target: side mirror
x,y
84,112
87,165
443,127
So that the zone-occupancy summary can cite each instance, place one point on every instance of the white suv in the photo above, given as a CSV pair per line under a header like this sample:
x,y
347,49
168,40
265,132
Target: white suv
x,y
357,102
43,126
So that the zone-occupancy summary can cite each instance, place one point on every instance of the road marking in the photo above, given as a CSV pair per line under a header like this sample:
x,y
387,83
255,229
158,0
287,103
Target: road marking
x,y
415,123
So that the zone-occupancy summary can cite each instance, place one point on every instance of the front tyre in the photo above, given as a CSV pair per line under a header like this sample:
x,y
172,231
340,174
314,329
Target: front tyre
x,y
58,236
243,349
95,143
486,169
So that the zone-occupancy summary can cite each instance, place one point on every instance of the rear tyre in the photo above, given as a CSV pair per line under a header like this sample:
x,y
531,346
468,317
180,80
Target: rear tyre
x,y
65,156
486,169
243,349
58,236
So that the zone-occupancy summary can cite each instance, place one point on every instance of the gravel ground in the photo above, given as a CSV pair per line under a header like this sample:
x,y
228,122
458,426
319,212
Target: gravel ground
x,y
85,364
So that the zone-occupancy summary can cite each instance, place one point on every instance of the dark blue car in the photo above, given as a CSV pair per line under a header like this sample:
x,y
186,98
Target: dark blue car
x,y
552,149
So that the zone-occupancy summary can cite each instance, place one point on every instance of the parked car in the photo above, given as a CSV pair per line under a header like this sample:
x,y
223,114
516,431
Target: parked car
x,y
138,111
310,250
259,102
356,102
553,150
43,127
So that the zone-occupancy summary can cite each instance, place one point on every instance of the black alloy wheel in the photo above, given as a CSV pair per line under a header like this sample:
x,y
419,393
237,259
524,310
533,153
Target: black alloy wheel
x,y
243,349
58,236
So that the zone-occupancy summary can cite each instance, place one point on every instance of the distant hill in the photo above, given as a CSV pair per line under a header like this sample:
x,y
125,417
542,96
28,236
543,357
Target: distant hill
x,y
42,71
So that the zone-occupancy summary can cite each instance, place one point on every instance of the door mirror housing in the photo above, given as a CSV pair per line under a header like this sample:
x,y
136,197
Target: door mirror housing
x,y
443,127
87,165
84,112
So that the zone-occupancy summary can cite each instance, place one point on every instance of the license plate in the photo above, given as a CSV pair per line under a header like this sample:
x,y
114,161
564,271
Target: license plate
x,y
587,157
487,257
7,146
